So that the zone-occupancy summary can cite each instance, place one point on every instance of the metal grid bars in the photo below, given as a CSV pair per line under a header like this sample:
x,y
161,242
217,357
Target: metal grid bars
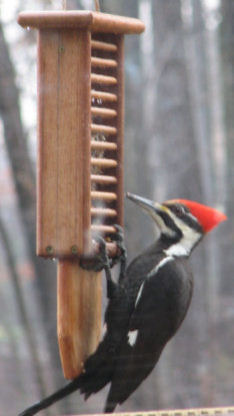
x,y
106,133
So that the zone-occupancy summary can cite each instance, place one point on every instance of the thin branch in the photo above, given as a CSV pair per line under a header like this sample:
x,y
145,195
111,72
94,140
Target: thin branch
x,y
28,333
97,5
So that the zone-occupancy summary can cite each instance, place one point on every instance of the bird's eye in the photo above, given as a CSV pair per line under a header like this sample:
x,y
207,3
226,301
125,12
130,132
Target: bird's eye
x,y
179,210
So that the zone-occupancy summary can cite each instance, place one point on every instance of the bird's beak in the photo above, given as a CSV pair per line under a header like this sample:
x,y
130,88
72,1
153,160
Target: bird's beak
x,y
152,208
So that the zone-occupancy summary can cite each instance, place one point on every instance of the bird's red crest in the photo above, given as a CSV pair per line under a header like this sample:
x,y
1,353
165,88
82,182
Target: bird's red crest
x,y
208,217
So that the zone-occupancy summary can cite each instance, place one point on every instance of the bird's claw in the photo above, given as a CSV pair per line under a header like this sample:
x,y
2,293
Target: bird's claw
x,y
118,237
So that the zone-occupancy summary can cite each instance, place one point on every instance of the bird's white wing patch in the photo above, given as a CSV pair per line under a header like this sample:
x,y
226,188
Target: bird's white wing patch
x,y
132,337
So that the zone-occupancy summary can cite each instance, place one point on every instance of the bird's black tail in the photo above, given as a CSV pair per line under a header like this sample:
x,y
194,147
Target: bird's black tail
x,y
97,373
110,407
59,394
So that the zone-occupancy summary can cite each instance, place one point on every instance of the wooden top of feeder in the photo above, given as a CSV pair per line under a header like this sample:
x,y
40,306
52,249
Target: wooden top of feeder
x,y
89,20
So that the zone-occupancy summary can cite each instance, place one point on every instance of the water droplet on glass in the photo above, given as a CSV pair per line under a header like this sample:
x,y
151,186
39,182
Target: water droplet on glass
x,y
93,100
28,28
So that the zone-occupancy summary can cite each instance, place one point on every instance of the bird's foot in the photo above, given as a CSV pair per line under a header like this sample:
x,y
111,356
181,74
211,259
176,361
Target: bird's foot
x,y
99,261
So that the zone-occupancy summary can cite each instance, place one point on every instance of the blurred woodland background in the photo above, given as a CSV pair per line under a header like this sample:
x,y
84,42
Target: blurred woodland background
x,y
178,143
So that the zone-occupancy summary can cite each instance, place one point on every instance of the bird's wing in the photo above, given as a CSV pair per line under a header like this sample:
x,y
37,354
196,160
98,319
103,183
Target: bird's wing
x,y
154,320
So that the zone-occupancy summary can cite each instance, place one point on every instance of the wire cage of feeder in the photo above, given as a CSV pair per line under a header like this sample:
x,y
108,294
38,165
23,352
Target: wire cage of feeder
x,y
80,159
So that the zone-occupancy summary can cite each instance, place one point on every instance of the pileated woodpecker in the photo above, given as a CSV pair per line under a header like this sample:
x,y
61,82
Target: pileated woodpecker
x,y
147,305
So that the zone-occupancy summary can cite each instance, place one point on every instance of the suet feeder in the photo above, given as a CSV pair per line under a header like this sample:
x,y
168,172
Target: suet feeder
x,y
80,159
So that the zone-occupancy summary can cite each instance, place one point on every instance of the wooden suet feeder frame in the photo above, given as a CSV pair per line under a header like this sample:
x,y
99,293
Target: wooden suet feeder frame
x,y
80,159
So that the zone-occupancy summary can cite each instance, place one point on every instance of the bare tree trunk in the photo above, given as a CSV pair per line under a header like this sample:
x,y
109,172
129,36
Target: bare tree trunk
x,y
22,311
226,347
148,183
24,180
179,173
227,65
216,106
203,84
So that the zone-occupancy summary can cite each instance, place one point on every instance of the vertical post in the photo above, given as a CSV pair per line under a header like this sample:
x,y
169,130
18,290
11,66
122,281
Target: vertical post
x,y
78,314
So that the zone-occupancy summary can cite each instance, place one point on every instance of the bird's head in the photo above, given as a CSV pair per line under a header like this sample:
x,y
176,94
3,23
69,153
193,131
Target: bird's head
x,y
182,223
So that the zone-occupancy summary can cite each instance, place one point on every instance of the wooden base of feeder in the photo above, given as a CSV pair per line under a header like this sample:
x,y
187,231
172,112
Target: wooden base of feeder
x,y
79,298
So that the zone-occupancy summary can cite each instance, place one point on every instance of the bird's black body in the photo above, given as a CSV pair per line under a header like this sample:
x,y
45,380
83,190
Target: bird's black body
x,y
157,315
145,309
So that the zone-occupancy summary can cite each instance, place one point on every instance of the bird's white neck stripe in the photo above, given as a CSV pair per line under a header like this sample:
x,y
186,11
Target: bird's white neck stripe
x,y
190,238
177,250
139,293
185,245
162,263
152,273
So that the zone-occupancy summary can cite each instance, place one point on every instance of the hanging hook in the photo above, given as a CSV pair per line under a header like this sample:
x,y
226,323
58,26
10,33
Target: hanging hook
x,y
97,5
